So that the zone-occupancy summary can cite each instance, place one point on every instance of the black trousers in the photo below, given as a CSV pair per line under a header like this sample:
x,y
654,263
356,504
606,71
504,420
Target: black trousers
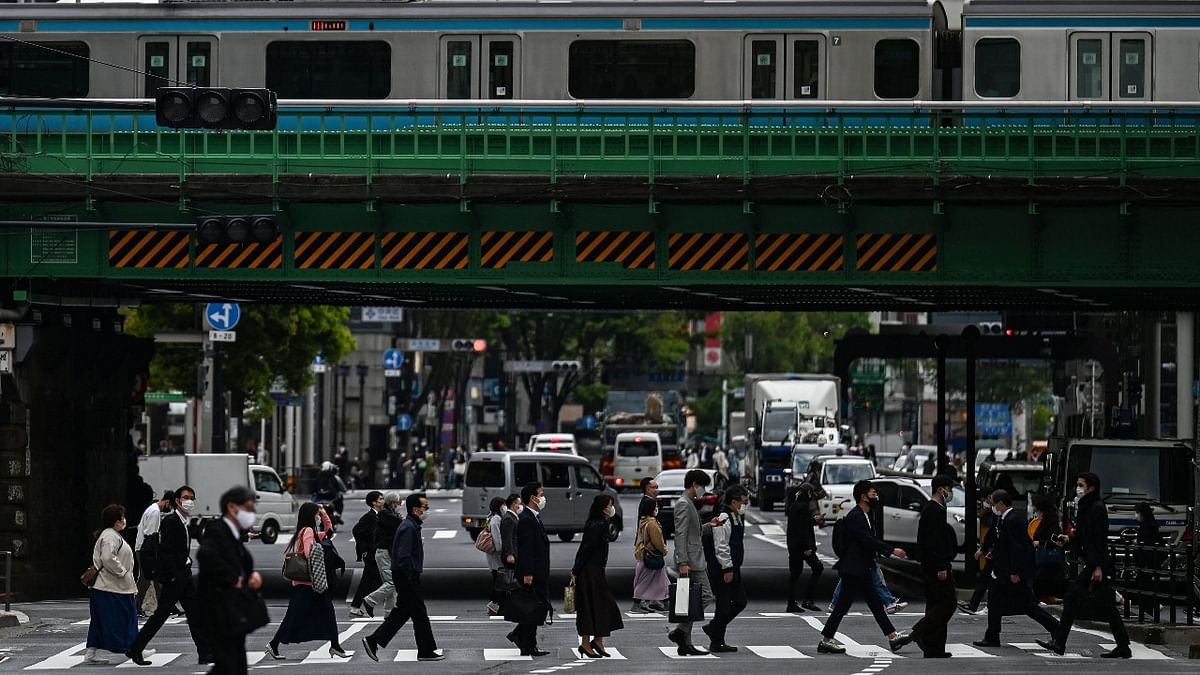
x,y
183,591
1009,599
228,655
940,603
855,586
527,632
730,601
983,581
796,563
409,605
1080,588
369,582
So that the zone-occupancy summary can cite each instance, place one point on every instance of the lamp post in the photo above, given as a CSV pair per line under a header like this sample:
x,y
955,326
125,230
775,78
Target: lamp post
x,y
362,371
343,373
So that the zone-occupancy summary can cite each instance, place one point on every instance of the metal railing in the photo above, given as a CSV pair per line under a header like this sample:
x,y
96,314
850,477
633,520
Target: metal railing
x,y
1154,577
7,555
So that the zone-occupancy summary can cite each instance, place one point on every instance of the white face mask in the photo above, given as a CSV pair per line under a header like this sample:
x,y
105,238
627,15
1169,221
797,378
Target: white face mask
x,y
317,522
246,519
1079,492
503,509
187,505
423,516
610,511
739,509
996,510
519,509
949,495
541,502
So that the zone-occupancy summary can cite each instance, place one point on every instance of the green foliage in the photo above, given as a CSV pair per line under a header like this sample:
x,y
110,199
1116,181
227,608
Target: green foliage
x,y
800,342
273,341
707,410
590,396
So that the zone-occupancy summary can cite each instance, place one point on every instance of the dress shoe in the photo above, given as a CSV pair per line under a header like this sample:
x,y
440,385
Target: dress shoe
x,y
1052,645
600,650
534,652
1121,652
902,638
793,608
370,648
137,658
942,655
691,650
678,638
721,649
587,653
435,655
810,606
986,643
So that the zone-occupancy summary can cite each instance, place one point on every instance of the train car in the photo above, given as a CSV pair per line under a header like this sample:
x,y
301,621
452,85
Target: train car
x,y
820,50
1080,50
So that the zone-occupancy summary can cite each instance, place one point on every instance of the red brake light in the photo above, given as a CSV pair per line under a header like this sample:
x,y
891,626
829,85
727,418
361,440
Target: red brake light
x,y
709,500
637,439
619,482
553,447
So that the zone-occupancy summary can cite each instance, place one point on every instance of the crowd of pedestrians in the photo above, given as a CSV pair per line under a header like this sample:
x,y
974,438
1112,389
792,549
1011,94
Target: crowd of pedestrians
x,y
223,606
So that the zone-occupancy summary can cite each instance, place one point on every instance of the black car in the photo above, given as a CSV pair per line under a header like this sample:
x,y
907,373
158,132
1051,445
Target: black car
x,y
670,486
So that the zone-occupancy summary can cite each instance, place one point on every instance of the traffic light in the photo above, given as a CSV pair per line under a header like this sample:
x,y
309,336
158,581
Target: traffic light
x,y
565,366
215,108
476,345
236,229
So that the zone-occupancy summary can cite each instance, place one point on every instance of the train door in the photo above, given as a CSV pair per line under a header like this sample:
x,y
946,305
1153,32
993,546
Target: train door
x,y
167,60
784,67
479,66
1111,66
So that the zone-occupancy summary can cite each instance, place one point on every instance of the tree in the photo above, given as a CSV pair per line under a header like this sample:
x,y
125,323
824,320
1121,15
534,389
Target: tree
x,y
273,342
800,342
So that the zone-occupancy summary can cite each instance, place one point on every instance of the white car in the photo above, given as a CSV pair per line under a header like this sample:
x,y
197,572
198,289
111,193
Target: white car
x,y
902,500
561,443
837,476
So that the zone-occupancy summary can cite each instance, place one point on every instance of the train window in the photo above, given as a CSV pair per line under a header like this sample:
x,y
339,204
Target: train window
x,y
500,70
1131,73
631,69
157,65
198,67
31,70
326,69
458,69
763,68
997,67
1089,69
806,66
897,69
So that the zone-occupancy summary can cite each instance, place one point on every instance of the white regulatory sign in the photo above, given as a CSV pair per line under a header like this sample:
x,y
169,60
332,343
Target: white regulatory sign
x,y
8,336
222,336
6,362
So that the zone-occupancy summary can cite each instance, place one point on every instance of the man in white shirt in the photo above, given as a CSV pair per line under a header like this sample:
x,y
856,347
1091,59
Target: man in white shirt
x,y
148,526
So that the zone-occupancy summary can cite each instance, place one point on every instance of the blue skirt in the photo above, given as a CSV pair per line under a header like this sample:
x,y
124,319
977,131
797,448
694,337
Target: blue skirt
x,y
113,625
309,617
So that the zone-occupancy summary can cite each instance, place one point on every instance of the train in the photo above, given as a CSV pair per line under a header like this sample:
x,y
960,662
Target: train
x,y
800,51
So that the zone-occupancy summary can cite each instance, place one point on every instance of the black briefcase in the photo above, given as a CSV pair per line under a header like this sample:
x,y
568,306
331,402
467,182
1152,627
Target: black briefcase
x,y
695,602
242,612
525,605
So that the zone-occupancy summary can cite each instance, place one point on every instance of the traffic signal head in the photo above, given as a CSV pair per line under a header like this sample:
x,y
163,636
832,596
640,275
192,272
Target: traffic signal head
x,y
236,230
565,366
476,345
215,108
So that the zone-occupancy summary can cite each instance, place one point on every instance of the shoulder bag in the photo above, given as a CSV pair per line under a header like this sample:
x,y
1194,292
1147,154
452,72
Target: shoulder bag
x,y
92,573
295,566
316,566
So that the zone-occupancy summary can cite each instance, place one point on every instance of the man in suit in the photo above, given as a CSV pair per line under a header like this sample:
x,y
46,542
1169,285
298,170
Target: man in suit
x,y
364,550
1090,542
225,564
408,562
1012,573
533,563
174,572
689,553
856,569
937,543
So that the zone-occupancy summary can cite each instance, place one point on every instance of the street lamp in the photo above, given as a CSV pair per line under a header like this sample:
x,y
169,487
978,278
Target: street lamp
x,y
362,371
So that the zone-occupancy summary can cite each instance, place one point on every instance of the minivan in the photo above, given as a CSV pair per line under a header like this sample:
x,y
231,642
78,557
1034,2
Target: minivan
x,y
637,456
570,482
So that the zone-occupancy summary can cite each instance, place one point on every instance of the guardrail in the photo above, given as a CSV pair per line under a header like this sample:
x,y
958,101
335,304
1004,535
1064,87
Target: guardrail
x,y
1154,576
7,555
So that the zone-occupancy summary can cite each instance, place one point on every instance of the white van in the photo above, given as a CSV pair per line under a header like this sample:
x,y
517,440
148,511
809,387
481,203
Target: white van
x,y
564,443
637,456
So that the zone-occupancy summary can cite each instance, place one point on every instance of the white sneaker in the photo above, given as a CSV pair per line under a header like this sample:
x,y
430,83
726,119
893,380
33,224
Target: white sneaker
x,y
90,658
895,607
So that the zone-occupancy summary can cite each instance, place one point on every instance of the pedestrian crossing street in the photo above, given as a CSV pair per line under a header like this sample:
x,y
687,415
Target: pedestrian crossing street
x,y
180,658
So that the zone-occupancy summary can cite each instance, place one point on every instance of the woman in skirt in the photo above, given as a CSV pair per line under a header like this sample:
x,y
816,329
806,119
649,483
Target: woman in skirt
x,y
310,615
112,602
596,612
650,586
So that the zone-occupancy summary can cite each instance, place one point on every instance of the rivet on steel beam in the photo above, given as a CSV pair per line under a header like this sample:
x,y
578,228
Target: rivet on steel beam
x,y
747,207
555,206
938,209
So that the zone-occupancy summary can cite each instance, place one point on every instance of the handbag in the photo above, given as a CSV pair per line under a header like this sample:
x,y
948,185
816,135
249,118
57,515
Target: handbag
x,y
527,606
569,597
92,574
685,602
242,611
506,580
316,567
295,566
653,560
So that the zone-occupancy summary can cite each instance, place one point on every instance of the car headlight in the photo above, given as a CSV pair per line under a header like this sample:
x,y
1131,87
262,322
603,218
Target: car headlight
x,y
958,518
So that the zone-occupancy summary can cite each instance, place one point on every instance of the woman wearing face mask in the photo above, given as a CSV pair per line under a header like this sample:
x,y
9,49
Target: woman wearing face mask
x,y
596,612
650,586
495,516
112,600
310,615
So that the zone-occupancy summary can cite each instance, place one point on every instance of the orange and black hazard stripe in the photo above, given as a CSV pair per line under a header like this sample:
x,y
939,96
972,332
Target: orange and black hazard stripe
x,y
634,250
798,252
497,249
334,250
426,250
706,252
148,249
897,252
251,256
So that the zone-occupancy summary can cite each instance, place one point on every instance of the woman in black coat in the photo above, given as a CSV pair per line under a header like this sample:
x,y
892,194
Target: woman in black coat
x,y
596,612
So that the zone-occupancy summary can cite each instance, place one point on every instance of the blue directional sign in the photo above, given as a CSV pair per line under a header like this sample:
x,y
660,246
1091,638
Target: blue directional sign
x,y
222,315
393,359
404,422
318,360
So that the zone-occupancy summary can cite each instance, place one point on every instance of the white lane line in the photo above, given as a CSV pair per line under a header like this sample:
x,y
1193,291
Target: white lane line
x,y
773,542
445,534
320,655
67,658
1038,650
853,648
156,659
964,651
672,653
776,652
1140,652
504,655
409,655
772,530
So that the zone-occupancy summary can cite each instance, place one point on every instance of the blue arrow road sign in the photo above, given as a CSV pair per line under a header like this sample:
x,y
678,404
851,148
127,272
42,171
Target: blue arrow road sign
x,y
404,422
393,359
318,360
223,315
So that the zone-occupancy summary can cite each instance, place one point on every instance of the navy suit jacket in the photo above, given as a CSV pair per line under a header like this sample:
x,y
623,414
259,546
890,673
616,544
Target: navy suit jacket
x,y
533,547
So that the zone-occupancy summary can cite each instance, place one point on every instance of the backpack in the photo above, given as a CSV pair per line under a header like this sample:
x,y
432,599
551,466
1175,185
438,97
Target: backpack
x,y
839,538
484,541
150,559
364,536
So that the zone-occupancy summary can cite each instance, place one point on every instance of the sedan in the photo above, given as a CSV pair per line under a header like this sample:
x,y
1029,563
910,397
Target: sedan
x,y
670,487
903,499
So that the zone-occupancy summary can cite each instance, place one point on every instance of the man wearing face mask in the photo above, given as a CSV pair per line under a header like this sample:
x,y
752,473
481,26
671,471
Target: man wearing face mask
x,y
533,562
724,553
364,550
689,553
225,567
387,521
148,527
1012,573
175,575
937,543
1089,541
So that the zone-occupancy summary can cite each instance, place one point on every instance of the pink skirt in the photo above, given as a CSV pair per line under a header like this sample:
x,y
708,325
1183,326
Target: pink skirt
x,y
650,584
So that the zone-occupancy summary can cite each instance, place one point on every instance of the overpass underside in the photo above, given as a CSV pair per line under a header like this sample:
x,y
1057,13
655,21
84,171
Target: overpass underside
x,y
614,209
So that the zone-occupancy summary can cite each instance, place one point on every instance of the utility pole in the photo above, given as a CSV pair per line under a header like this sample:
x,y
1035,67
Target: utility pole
x,y
218,403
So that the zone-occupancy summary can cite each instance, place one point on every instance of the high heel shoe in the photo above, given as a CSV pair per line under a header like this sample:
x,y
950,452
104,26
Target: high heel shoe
x,y
338,652
599,650
583,653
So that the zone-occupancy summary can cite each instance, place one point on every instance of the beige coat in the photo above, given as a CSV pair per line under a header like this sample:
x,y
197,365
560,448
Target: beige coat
x,y
649,534
114,558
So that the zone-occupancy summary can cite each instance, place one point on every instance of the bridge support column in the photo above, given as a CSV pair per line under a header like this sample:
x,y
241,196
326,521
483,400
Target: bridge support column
x,y
970,335
1152,376
941,343
1185,361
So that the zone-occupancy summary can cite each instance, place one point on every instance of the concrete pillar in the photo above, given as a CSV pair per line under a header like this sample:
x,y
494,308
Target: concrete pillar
x,y
310,425
1185,360
1152,376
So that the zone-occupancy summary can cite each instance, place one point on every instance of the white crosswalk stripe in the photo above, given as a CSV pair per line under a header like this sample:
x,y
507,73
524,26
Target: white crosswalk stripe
x,y
445,534
504,655
776,652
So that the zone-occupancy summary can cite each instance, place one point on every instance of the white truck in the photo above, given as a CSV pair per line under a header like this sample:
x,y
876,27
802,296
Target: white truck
x,y
210,475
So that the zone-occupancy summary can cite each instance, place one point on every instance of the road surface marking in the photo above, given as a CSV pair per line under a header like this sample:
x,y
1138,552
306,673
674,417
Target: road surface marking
x,y
155,659
672,653
445,534
773,652
64,659
504,655
853,648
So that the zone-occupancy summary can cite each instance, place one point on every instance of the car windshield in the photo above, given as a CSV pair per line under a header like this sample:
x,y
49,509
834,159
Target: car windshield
x,y
670,480
1136,473
778,425
844,473
800,462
